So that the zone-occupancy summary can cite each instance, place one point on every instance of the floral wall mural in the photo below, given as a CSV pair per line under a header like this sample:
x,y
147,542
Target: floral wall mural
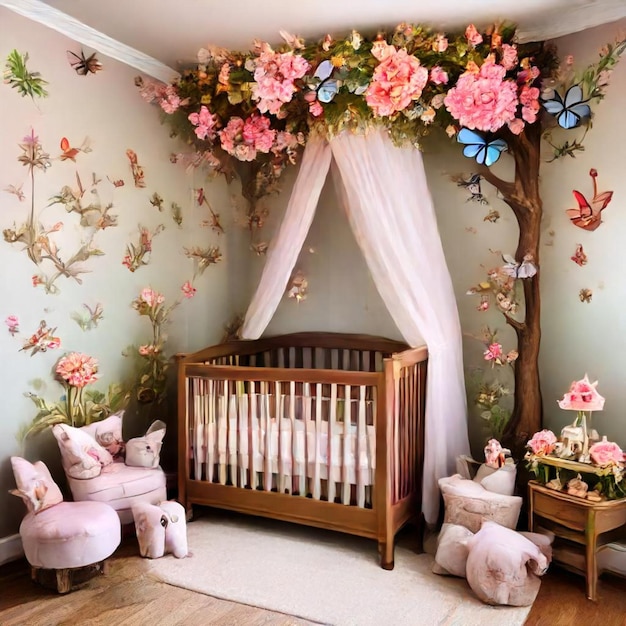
x,y
102,283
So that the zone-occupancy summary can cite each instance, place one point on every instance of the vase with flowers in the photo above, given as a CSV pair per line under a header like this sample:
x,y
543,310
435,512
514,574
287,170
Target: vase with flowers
x,y
578,458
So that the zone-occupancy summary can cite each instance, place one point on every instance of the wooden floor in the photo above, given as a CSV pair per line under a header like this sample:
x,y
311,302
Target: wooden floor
x,y
127,596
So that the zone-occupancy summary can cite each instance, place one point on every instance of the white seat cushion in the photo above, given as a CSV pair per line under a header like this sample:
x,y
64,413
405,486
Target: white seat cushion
x,y
120,485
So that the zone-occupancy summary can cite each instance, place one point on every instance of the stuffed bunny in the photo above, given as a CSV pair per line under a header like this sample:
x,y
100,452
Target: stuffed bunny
x,y
160,529
146,451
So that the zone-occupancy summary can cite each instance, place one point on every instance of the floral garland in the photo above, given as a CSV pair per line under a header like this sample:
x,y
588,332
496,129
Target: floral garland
x,y
260,107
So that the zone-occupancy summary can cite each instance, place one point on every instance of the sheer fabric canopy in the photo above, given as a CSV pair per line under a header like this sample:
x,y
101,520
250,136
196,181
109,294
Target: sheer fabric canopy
x,y
391,213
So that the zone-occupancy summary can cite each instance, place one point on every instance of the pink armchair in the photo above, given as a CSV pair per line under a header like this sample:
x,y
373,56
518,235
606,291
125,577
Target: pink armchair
x,y
94,464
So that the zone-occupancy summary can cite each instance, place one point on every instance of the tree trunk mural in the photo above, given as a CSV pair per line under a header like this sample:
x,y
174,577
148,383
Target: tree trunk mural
x,y
522,195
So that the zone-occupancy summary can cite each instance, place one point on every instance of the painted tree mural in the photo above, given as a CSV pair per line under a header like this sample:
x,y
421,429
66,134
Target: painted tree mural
x,y
247,115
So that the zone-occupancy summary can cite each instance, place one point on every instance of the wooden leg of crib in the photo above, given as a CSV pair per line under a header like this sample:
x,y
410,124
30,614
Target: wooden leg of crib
x,y
385,549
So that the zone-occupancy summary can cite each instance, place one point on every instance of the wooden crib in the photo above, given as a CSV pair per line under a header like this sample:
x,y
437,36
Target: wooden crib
x,y
315,428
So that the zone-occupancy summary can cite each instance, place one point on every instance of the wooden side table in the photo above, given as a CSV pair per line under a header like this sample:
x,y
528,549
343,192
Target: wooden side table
x,y
577,520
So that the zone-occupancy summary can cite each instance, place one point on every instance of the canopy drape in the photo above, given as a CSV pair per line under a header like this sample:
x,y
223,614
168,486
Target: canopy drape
x,y
391,213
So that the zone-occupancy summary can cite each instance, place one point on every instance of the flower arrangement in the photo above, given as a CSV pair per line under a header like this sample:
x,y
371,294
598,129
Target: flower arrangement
x,y
260,106
77,406
578,462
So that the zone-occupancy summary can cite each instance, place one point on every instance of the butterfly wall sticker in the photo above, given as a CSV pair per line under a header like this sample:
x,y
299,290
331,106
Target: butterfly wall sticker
x,y
588,215
68,152
473,186
477,147
525,269
82,65
328,86
579,257
569,111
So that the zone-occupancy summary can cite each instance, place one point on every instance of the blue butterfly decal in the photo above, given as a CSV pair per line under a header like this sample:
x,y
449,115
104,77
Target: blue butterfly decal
x,y
328,87
569,111
477,147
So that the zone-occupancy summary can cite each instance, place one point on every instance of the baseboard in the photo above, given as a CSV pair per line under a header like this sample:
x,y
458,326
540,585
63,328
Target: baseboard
x,y
10,549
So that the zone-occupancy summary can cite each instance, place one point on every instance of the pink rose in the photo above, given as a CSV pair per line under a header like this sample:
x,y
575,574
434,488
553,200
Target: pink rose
x,y
398,80
606,453
542,442
474,38
438,76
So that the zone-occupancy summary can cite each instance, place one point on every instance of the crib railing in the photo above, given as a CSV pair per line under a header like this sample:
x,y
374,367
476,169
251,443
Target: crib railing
x,y
313,438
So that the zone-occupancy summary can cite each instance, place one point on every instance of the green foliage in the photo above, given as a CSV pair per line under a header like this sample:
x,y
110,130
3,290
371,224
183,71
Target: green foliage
x,y
17,75
95,407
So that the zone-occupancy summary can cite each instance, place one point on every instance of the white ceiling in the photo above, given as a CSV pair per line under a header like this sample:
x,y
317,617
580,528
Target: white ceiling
x,y
172,31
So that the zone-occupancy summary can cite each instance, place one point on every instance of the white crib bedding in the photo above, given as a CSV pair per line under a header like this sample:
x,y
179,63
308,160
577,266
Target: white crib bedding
x,y
242,432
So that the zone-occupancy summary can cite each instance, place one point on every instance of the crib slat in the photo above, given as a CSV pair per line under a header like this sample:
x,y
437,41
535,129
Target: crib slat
x,y
230,400
317,481
361,464
222,434
208,391
332,453
347,456
242,438
267,437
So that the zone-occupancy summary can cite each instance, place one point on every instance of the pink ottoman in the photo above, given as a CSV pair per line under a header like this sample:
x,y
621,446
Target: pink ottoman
x,y
70,535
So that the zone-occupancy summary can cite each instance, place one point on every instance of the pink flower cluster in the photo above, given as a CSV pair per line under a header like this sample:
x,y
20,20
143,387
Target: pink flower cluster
x,y
542,442
495,354
243,139
582,396
189,291
150,297
483,100
397,81
274,76
205,123
13,322
165,95
605,453
77,369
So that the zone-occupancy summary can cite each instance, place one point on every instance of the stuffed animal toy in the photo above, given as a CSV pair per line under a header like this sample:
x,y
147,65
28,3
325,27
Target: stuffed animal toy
x,y
160,529
146,451
503,566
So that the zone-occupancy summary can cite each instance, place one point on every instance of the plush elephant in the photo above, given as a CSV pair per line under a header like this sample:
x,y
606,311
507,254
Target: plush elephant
x,y
161,528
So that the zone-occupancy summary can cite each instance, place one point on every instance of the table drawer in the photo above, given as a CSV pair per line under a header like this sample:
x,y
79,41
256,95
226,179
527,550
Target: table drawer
x,y
566,513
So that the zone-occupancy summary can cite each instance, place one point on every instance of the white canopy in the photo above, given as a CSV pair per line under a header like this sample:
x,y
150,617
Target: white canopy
x,y
391,213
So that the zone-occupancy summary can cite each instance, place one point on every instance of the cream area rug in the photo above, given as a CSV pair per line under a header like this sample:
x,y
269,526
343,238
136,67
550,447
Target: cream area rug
x,y
322,576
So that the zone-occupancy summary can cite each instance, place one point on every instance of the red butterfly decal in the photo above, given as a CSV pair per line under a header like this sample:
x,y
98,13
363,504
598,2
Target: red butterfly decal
x,y
68,151
588,215
579,257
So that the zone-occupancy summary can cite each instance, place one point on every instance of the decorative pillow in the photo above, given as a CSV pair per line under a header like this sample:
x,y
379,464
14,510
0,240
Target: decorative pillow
x,y
469,504
108,433
145,451
497,480
503,566
35,485
82,456
452,550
